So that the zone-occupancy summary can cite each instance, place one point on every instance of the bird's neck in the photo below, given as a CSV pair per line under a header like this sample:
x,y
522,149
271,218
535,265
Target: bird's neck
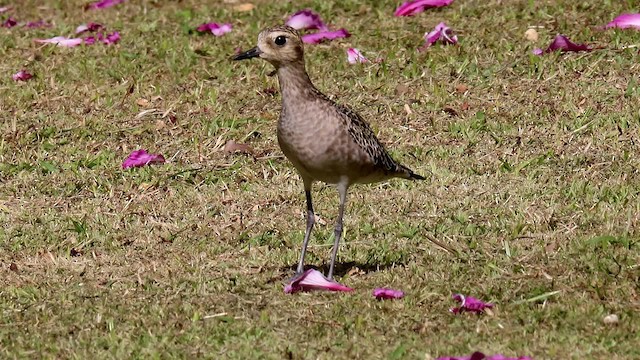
x,y
295,85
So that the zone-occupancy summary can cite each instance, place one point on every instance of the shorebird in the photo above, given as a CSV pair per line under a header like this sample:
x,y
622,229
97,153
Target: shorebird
x,y
325,141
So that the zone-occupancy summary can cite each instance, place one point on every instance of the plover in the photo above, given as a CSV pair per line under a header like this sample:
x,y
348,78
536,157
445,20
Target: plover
x,y
325,141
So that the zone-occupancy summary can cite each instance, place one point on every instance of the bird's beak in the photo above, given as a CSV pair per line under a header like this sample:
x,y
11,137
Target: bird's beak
x,y
255,52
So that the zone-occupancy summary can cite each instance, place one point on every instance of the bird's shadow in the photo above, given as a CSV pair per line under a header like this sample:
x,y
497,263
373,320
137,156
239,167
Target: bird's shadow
x,y
341,269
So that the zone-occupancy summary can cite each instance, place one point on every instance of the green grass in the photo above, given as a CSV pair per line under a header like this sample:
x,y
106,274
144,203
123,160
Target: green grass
x,y
532,182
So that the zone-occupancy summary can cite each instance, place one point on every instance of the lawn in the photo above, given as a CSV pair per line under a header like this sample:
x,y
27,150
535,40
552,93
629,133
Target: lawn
x,y
532,186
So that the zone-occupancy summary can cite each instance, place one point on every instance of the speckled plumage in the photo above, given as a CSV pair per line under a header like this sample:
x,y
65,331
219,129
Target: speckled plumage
x,y
325,141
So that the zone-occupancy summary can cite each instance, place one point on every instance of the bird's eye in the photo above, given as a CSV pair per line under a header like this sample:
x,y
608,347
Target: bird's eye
x,y
280,40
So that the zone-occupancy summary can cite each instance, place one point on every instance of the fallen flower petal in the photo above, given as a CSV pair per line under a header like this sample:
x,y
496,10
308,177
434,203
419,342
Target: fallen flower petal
x,y
141,158
441,33
313,280
112,38
103,4
91,27
306,20
321,36
10,22
4,8
413,7
562,43
232,147
354,56
215,28
22,75
383,293
469,303
480,356
625,21
36,24
61,41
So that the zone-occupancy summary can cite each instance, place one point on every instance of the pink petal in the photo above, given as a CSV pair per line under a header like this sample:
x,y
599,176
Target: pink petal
x,y
383,293
10,22
4,9
306,20
112,38
61,41
313,280
562,43
36,24
441,33
141,158
469,303
320,36
104,4
413,7
90,40
480,356
22,75
215,28
625,21
91,27
354,56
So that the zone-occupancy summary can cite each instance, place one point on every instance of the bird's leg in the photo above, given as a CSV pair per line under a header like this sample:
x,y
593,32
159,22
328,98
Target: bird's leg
x,y
342,190
311,219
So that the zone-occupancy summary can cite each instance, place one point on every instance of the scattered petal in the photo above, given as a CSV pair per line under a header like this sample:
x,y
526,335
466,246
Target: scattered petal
x,y
215,28
141,158
313,280
480,356
469,303
441,33
321,36
382,293
563,44
112,38
306,20
4,9
354,56
417,6
231,147
10,22
90,40
90,27
61,41
103,4
36,24
625,21
22,75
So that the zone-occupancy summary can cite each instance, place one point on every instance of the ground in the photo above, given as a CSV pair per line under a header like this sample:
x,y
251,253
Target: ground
x,y
532,186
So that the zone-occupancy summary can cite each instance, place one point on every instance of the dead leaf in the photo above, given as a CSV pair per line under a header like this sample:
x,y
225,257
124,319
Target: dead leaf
x,y
244,7
142,102
401,89
464,106
13,267
461,88
531,35
160,124
232,147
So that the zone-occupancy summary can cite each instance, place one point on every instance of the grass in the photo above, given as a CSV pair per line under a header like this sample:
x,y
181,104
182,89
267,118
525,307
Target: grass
x,y
532,173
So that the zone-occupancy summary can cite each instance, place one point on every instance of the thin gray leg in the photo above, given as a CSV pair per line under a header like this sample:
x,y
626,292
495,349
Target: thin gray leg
x,y
311,219
342,189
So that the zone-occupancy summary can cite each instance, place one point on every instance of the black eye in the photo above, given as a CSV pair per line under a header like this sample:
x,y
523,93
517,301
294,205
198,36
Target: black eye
x,y
280,40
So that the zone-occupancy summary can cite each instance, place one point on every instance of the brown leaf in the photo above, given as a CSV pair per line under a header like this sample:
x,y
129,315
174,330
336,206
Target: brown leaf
x,y
461,88
232,147
13,267
464,106
531,35
244,7
142,102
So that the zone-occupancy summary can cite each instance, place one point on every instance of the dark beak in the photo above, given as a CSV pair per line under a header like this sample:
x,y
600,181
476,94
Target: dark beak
x,y
255,52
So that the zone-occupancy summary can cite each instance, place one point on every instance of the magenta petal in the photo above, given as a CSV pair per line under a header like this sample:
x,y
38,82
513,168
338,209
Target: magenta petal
x,y
321,36
104,4
91,27
354,56
112,38
214,28
306,20
413,7
441,33
140,158
562,43
469,303
36,24
480,356
10,22
22,75
625,21
383,293
313,280
61,41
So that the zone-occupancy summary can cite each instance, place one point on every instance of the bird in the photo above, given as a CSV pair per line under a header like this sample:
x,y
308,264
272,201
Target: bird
x,y
325,141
